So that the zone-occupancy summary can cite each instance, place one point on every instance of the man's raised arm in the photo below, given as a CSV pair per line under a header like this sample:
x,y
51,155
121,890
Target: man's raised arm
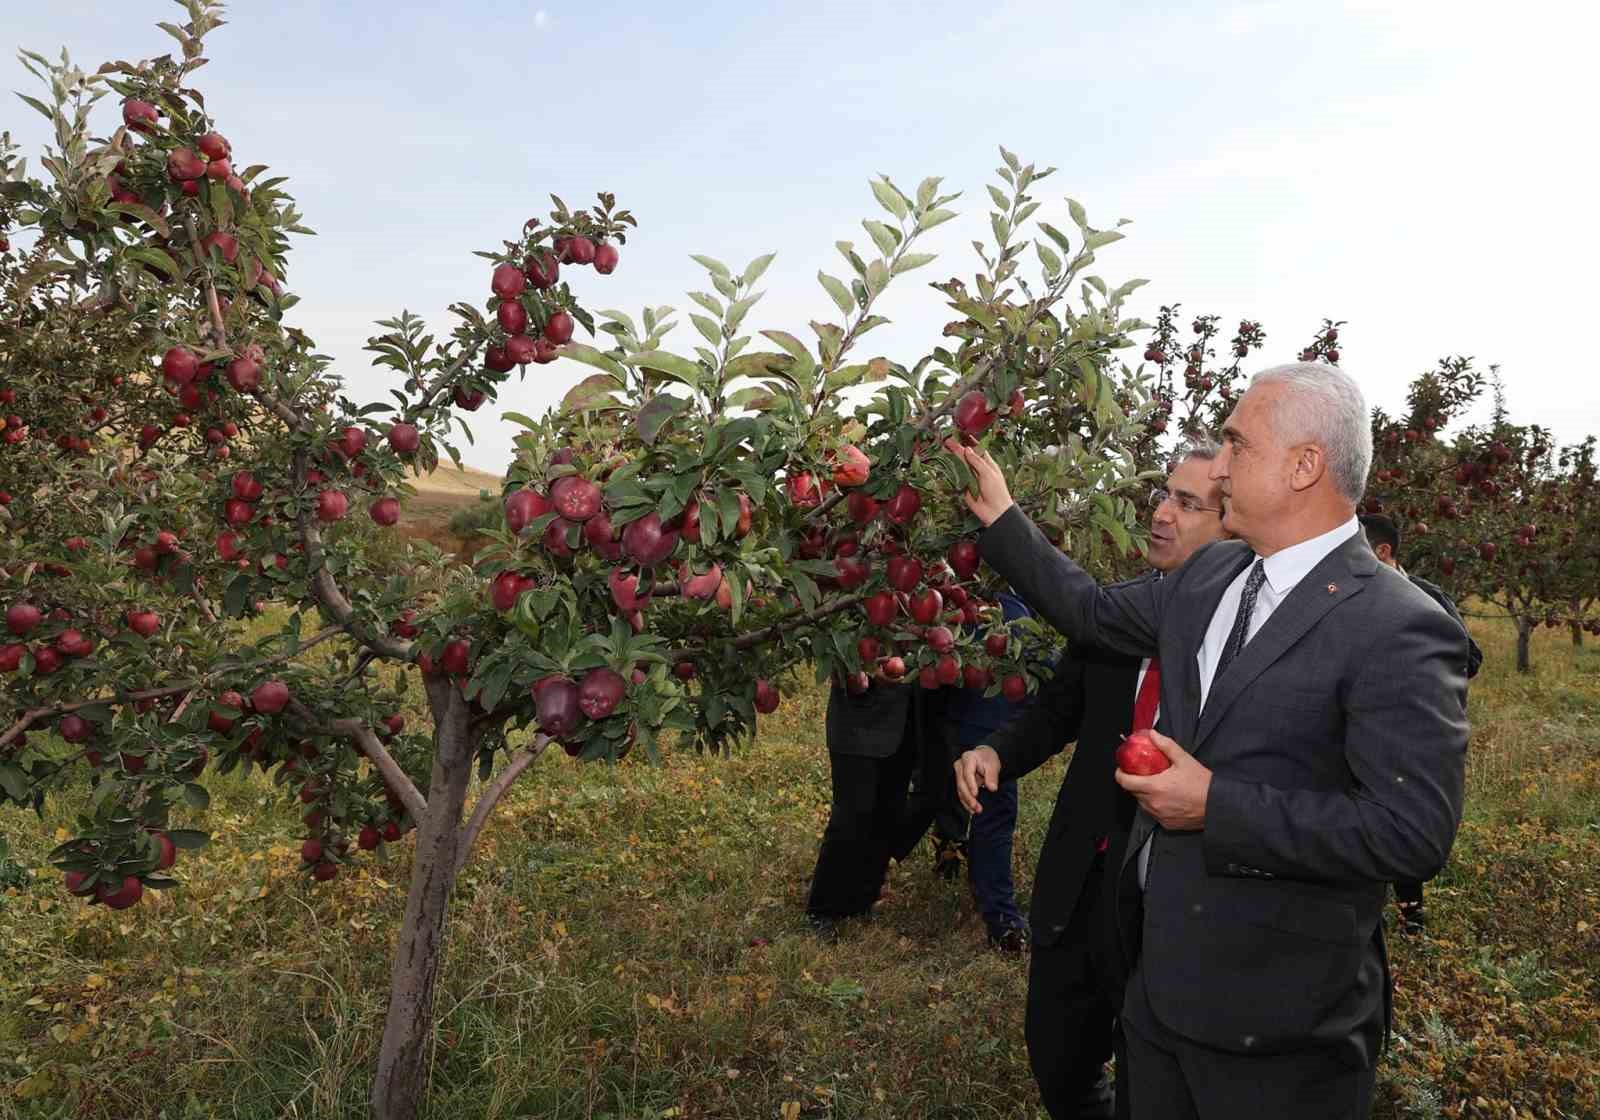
x,y
1125,617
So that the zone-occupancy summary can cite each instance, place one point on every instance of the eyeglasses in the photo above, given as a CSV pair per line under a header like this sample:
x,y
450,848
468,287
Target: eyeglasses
x,y
1186,502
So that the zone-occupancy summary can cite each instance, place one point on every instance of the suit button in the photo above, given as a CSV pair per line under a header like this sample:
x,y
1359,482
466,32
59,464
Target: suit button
x,y
1233,869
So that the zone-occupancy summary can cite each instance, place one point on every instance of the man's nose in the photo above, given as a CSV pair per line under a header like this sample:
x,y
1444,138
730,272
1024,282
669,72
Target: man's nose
x,y
1220,464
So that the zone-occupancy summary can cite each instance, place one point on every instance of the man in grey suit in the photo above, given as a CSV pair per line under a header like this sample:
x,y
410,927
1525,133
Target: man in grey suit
x,y
1313,711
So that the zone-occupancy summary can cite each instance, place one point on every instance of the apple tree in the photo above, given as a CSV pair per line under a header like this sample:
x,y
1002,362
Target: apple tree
x,y
181,474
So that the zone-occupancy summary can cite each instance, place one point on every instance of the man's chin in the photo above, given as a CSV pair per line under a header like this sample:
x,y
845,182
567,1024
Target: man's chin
x,y
1158,554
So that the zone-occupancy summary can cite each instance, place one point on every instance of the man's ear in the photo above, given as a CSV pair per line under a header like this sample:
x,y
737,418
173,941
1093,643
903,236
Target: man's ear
x,y
1384,553
1309,465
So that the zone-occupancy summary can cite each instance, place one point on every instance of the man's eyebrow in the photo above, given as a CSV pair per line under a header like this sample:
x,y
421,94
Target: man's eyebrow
x,y
1229,432
1180,493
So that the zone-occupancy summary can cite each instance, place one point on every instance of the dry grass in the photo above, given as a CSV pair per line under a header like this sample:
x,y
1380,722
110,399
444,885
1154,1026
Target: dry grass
x,y
628,944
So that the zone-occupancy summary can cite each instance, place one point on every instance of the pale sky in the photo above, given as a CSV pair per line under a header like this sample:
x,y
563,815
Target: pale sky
x,y
1424,170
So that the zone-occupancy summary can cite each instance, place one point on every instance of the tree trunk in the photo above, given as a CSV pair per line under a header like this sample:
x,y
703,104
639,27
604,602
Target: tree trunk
x,y
408,1029
1524,631
1577,633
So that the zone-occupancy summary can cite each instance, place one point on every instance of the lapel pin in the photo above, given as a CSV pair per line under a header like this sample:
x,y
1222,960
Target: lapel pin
x,y
1332,588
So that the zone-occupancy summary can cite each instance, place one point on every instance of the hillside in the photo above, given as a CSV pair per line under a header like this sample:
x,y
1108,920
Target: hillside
x,y
448,489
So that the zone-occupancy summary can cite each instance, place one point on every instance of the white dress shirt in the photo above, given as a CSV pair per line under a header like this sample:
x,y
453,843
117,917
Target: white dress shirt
x,y
1284,569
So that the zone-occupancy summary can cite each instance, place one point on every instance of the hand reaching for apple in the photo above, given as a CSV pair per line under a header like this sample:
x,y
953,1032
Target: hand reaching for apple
x,y
993,497
1175,797
980,764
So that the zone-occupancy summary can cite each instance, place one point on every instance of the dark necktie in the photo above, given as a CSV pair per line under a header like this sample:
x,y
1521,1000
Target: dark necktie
x,y
1241,622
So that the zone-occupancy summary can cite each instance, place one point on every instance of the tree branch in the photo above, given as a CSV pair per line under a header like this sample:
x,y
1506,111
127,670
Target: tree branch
x,y
371,746
493,792
33,715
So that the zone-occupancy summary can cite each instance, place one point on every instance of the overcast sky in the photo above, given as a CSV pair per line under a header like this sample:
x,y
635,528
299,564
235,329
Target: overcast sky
x,y
1423,170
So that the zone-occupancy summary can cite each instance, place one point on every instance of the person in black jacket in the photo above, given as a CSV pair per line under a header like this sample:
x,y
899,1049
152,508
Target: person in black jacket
x,y
877,740
1075,975
1383,535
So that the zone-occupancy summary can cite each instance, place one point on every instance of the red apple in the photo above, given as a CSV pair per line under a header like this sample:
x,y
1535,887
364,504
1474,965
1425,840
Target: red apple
x,y
512,316
1139,754
123,896
580,250
995,644
575,497
881,608
404,438
940,639
904,505
926,606
183,165
453,661
74,728
22,618
269,697
767,697
600,691
904,573
963,559
523,507
367,839
139,115
331,505
647,541
558,328
973,414
851,466
1014,688
508,281
385,511
143,623
605,258
861,508
246,487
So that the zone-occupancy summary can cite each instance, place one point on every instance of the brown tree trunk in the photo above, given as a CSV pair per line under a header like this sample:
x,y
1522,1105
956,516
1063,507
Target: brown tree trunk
x,y
1524,631
1577,633
407,1031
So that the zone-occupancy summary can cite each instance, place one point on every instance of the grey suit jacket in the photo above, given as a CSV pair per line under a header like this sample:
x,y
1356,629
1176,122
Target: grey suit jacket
x,y
1337,745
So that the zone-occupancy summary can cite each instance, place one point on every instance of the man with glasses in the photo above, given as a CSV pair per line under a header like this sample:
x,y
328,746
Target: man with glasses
x,y
1076,974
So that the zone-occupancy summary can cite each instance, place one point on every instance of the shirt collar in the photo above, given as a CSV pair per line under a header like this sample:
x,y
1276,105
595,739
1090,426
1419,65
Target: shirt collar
x,y
1288,566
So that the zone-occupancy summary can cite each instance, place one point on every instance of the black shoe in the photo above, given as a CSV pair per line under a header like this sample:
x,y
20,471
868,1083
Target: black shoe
x,y
1012,940
1099,1102
948,856
1413,918
824,927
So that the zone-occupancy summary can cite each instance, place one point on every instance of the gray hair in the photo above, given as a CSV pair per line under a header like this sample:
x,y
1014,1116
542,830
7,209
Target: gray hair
x,y
1203,448
1325,406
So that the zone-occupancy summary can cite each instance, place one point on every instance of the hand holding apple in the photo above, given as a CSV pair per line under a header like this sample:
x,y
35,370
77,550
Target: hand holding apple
x,y
1175,797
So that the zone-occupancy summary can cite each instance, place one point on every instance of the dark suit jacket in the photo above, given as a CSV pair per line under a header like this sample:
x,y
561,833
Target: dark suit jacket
x,y
1089,699
1337,745
1436,593
873,724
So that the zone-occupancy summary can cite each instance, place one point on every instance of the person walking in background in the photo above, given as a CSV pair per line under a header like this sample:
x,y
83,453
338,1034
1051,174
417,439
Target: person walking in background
x,y
975,718
1313,724
1076,973
876,740
1383,536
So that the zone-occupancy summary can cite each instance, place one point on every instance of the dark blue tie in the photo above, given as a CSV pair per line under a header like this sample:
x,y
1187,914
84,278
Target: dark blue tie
x,y
1241,622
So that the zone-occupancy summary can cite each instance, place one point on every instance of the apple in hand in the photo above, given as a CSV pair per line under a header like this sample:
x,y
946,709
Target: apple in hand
x,y
1139,755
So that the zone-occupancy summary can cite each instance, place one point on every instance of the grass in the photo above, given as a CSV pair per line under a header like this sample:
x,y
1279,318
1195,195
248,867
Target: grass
x,y
627,944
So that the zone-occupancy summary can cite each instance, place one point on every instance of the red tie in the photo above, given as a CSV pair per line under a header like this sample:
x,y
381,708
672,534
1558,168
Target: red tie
x,y
1149,698
1144,713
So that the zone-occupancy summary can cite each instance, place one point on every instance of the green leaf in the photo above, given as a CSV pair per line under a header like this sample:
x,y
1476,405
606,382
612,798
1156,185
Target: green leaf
x,y
670,364
884,236
712,265
518,418
836,289
588,355
188,839
655,413
913,260
757,398
156,258
592,392
803,362
936,218
1101,237
709,329
806,588
753,271
196,796
14,781
1079,217
889,198
1048,257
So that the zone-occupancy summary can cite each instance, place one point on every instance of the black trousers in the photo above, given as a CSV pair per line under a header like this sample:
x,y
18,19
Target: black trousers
x,y
866,825
1172,1078
1073,1000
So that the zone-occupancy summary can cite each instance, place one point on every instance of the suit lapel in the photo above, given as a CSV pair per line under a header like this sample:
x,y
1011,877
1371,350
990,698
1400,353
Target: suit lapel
x,y
1180,681
1327,585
